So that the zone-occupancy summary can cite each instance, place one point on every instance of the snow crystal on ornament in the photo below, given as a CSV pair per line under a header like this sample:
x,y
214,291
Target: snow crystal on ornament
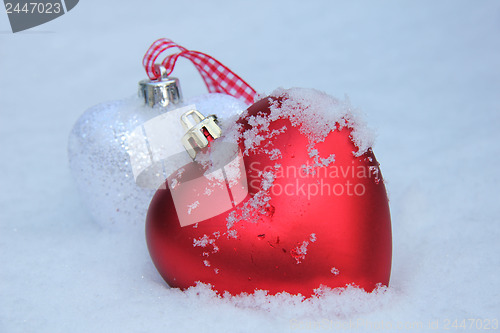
x,y
207,240
255,207
203,241
193,206
316,114
299,252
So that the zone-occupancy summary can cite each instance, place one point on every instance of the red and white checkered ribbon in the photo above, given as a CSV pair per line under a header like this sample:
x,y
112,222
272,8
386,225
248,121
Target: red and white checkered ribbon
x,y
218,78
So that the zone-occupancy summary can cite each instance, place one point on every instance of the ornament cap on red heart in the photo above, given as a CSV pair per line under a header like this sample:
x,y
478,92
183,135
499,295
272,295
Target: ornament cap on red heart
x,y
315,212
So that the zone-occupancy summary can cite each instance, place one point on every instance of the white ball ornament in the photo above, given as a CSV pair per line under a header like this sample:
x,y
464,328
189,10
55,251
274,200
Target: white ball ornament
x,y
121,151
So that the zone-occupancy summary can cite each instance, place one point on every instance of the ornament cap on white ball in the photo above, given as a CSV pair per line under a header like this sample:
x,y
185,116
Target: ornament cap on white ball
x,y
100,147
161,92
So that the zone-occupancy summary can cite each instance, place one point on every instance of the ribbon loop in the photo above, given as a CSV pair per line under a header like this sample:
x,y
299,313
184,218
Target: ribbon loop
x,y
158,47
217,77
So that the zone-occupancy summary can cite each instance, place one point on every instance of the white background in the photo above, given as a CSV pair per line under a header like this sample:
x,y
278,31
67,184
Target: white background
x,y
425,73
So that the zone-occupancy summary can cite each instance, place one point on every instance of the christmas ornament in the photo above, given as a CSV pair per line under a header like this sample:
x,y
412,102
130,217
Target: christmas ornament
x,y
299,204
121,151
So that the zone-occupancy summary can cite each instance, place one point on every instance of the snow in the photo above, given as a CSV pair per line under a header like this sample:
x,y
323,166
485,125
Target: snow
x,y
425,74
299,252
317,114
207,240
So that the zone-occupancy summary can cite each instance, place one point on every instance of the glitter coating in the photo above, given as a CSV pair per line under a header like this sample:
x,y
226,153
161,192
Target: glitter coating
x,y
101,165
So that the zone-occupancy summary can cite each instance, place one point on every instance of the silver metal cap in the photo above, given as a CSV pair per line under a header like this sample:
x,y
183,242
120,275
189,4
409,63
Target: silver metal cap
x,y
161,92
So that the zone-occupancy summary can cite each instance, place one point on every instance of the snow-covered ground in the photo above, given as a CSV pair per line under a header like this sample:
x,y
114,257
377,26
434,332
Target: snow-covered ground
x,y
425,73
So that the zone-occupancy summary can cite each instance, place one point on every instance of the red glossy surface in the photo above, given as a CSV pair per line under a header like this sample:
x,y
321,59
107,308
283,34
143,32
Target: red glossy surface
x,y
352,232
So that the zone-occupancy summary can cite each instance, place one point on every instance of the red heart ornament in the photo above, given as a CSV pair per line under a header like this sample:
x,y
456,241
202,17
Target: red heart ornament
x,y
316,213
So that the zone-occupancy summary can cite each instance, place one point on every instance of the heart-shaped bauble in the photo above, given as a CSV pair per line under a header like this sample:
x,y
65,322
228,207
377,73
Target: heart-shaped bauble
x,y
316,212
104,162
